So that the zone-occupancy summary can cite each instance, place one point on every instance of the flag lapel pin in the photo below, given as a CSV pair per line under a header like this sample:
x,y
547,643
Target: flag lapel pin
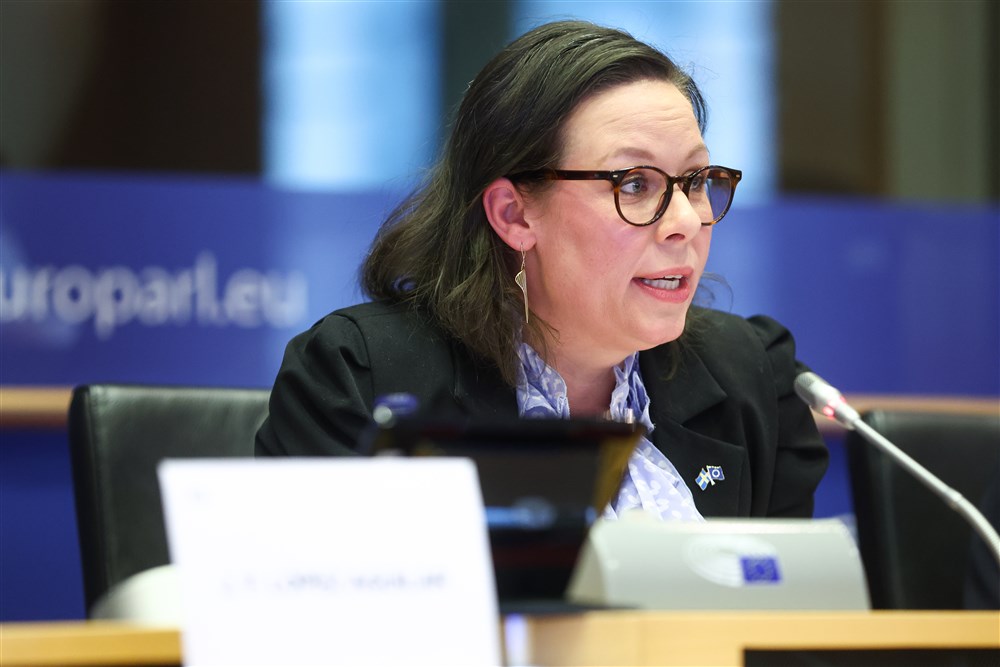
x,y
708,476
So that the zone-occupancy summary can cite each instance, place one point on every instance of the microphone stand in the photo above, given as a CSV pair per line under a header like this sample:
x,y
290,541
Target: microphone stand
x,y
951,497
823,398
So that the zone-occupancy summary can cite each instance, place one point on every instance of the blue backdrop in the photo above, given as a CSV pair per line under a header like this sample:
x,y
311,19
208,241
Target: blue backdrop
x,y
202,281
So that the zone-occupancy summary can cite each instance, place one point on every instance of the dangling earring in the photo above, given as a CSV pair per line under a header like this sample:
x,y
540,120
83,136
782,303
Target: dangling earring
x,y
522,281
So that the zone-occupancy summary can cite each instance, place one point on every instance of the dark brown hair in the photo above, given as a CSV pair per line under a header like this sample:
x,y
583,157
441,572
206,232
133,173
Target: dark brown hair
x,y
437,249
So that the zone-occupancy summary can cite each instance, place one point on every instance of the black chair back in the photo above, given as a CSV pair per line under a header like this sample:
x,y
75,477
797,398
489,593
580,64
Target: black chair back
x,y
915,549
118,434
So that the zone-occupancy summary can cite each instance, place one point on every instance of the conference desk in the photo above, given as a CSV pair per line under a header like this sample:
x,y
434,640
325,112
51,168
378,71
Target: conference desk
x,y
592,638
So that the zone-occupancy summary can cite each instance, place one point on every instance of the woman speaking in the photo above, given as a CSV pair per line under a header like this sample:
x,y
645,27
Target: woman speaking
x,y
547,269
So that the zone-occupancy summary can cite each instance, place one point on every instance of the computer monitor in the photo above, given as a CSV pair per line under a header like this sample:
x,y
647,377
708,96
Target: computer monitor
x,y
544,482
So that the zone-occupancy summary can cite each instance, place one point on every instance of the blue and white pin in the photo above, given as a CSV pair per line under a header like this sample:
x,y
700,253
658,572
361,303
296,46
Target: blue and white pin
x,y
709,475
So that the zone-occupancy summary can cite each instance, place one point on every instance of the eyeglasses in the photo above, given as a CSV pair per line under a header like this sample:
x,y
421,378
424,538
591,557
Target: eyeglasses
x,y
642,194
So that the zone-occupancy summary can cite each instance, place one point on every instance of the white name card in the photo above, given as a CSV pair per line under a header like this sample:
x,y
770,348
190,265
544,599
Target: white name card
x,y
331,561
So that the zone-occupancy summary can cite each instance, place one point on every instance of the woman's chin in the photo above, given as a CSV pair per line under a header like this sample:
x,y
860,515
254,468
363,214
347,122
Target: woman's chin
x,y
666,332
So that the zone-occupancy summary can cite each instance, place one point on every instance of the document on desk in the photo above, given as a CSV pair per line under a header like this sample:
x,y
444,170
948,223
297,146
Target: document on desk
x,y
331,561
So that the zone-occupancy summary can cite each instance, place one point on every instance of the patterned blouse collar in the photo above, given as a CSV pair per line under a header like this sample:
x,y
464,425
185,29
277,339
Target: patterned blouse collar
x,y
652,483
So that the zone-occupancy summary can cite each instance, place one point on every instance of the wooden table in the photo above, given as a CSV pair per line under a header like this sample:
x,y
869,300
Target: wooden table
x,y
720,638
594,638
74,643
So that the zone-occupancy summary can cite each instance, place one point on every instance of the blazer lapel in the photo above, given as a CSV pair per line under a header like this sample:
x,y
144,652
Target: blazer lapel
x,y
675,405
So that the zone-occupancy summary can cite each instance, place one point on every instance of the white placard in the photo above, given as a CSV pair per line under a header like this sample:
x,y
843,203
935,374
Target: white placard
x,y
331,561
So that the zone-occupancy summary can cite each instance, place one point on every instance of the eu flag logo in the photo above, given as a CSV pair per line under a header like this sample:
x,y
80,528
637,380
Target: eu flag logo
x,y
760,569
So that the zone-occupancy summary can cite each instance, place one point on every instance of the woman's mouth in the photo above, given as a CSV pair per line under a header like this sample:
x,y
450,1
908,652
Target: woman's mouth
x,y
669,288
666,282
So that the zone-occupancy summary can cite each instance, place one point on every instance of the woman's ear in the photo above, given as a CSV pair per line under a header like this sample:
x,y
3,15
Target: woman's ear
x,y
504,206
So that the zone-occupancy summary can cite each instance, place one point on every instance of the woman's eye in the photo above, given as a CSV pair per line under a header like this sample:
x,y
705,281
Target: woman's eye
x,y
633,185
698,182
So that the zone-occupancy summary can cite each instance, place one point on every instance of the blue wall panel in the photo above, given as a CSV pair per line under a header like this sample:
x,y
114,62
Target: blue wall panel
x,y
169,280
881,297
40,577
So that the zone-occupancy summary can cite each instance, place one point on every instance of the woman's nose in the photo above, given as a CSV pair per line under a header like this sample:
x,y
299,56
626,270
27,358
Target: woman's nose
x,y
680,221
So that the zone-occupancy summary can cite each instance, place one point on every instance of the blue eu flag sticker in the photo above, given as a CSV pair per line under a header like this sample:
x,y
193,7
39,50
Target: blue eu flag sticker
x,y
760,570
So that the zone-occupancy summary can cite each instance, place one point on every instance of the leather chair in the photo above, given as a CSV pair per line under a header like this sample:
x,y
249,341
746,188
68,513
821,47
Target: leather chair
x,y
915,549
118,434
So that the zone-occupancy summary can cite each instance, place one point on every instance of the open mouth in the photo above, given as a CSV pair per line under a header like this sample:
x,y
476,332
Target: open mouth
x,y
666,282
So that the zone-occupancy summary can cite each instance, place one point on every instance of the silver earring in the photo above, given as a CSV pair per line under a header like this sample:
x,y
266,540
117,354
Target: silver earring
x,y
522,281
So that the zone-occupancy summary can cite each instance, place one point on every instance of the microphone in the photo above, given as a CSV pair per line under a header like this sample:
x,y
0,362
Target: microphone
x,y
824,398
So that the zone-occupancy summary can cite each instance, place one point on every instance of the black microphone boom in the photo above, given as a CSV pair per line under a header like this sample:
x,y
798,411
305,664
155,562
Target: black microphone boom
x,y
824,398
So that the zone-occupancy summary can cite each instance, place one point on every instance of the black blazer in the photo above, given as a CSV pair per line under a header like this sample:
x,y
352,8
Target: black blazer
x,y
729,404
